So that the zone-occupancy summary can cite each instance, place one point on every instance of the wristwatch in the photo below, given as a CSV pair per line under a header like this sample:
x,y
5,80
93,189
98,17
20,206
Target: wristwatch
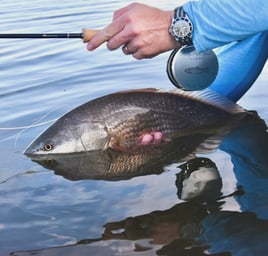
x,y
181,27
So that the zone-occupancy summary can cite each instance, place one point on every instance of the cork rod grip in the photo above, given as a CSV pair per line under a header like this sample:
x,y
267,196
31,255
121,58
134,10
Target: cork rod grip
x,y
88,34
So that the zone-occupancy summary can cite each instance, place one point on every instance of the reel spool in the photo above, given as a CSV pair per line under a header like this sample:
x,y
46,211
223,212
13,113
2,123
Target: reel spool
x,y
190,70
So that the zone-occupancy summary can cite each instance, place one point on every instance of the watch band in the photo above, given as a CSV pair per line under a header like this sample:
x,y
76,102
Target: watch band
x,y
181,16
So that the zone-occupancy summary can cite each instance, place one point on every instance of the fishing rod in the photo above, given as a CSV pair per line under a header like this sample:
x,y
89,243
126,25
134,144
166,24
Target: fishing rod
x,y
85,35
187,69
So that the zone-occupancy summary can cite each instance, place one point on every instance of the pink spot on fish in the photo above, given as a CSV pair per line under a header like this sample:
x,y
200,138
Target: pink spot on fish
x,y
151,138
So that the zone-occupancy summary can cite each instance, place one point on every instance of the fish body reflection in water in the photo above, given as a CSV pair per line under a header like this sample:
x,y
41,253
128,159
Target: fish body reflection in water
x,y
111,164
199,227
119,120
189,227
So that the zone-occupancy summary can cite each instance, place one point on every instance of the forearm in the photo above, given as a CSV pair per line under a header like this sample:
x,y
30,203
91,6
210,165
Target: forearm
x,y
217,22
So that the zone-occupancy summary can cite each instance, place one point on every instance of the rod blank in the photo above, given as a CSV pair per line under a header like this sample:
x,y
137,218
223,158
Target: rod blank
x,y
45,36
86,35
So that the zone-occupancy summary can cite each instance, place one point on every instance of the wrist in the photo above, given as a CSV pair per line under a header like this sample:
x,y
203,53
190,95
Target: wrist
x,y
181,27
175,43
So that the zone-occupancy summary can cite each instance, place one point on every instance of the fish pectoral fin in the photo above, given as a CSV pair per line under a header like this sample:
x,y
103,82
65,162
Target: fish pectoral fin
x,y
107,143
116,143
113,141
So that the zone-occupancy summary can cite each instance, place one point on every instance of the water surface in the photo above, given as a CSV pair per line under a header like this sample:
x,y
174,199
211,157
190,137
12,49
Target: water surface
x,y
52,215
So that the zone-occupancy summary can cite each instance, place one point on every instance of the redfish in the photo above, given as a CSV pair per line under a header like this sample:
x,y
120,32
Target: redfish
x,y
120,120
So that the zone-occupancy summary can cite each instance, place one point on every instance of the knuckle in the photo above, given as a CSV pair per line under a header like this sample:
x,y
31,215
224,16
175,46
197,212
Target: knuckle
x,y
110,46
113,44
137,56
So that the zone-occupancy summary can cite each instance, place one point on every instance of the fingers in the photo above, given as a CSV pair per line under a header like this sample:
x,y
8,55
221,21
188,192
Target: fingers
x,y
105,35
120,39
138,50
121,11
137,54
127,50
140,30
111,32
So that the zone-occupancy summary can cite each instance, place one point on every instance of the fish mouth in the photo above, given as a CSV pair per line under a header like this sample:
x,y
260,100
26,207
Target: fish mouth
x,y
38,158
35,156
31,152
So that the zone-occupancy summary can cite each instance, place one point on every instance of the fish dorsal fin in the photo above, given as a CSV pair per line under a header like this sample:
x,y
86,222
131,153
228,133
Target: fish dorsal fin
x,y
212,98
154,90
206,96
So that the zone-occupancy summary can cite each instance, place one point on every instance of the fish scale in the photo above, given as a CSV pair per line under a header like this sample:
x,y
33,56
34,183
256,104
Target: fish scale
x,y
167,119
119,120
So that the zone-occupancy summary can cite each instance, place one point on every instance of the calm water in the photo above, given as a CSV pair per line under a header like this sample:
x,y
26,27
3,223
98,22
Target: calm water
x,y
47,214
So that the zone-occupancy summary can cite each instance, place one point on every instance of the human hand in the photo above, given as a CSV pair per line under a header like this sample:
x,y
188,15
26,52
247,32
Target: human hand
x,y
141,30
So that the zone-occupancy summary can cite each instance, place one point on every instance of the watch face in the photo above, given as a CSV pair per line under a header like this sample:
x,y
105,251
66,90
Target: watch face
x,y
182,28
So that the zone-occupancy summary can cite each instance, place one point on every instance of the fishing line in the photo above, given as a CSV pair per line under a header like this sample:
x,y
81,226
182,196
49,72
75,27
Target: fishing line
x,y
35,124
26,127
20,174
21,128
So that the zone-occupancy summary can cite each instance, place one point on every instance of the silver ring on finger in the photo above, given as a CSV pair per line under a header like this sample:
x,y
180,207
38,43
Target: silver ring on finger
x,y
126,50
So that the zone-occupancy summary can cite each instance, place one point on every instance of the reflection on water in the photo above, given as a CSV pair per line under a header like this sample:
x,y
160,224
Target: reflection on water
x,y
47,214
188,228
112,164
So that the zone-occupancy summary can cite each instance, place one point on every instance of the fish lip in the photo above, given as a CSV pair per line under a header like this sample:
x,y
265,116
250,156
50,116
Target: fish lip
x,y
33,153
28,153
37,157
30,150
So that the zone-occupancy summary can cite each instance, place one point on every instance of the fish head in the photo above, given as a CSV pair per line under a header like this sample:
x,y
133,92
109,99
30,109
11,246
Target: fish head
x,y
67,136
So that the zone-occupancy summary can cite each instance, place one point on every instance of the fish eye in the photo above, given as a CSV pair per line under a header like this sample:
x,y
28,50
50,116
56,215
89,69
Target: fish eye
x,y
48,147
